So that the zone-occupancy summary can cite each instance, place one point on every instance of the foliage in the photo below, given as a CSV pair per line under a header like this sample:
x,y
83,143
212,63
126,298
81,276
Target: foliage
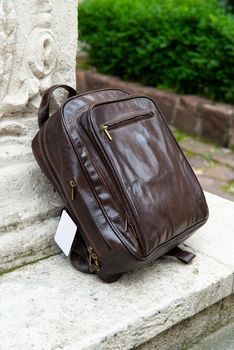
x,y
185,46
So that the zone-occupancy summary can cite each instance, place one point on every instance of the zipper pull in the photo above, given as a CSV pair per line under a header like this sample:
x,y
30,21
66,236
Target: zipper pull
x,y
93,257
126,224
132,231
73,187
105,129
128,227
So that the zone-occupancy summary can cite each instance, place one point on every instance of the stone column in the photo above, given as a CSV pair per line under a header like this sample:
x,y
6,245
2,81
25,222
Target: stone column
x,y
38,41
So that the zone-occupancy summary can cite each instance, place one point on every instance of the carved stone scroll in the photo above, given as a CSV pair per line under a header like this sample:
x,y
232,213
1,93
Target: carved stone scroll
x,y
7,43
38,59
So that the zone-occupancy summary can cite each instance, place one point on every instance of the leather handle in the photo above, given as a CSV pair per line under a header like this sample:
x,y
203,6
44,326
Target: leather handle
x,y
44,108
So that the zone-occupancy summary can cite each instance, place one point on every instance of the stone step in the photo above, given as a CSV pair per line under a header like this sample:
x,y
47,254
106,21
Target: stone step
x,y
57,307
20,246
223,339
26,196
12,154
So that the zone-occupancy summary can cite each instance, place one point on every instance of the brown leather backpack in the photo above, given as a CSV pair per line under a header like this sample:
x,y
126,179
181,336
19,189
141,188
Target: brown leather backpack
x,y
123,178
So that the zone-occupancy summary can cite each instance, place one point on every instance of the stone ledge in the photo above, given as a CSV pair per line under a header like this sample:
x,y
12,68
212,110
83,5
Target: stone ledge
x,y
123,315
26,196
216,238
193,114
21,246
190,331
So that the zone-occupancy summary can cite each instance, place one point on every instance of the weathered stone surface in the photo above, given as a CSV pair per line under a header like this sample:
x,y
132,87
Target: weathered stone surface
x,y
227,158
100,316
216,120
13,153
197,162
214,186
190,331
37,49
199,147
24,245
216,238
26,195
222,339
12,129
220,172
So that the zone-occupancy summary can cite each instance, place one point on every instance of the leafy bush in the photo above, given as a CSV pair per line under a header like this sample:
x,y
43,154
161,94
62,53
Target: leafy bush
x,y
186,46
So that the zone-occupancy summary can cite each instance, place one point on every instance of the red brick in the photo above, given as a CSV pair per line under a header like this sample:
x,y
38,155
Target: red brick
x,y
231,133
190,113
215,186
216,122
167,102
187,113
81,81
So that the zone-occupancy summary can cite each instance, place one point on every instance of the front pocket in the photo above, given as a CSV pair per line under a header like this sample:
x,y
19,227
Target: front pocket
x,y
123,121
159,196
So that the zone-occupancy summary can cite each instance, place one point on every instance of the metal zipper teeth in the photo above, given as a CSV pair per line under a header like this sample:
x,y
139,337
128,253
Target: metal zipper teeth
x,y
120,210
74,148
90,103
52,171
124,218
104,182
108,127
129,120
129,206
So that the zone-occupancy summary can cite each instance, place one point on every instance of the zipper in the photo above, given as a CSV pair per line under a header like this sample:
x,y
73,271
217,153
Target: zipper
x,y
105,129
93,260
95,165
118,202
127,119
129,228
127,201
73,185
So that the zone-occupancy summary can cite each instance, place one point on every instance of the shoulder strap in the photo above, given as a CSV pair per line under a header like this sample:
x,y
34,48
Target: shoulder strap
x,y
182,255
44,108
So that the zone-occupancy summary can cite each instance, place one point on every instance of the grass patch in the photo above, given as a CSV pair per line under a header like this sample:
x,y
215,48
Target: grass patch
x,y
229,188
4,272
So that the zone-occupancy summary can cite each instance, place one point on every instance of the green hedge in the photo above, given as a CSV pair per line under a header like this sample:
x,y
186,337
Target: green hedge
x,y
185,46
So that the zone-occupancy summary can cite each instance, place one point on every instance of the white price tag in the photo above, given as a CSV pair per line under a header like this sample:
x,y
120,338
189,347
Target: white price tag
x,y
65,233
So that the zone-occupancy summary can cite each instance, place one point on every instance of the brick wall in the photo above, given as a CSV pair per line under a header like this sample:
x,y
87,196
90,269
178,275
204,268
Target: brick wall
x,y
192,114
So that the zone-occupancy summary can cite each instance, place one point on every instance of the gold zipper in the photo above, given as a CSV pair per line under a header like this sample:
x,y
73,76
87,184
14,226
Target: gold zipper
x,y
129,228
73,189
126,119
93,257
126,224
105,129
